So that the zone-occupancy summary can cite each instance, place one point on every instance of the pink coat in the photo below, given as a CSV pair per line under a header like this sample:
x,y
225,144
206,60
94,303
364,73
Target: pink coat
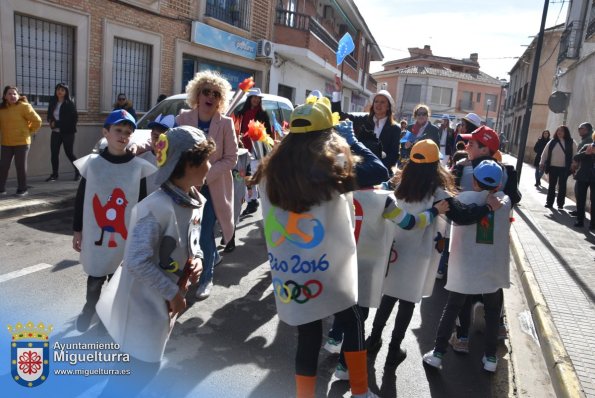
x,y
223,160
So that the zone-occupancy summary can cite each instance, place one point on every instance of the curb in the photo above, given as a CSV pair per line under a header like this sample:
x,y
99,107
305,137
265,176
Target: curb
x,y
563,375
35,206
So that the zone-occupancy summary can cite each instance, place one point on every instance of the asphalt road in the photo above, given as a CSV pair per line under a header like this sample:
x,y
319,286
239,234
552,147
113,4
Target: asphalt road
x,y
230,345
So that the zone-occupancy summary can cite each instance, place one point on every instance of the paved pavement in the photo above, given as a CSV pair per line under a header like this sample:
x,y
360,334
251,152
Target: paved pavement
x,y
42,195
554,263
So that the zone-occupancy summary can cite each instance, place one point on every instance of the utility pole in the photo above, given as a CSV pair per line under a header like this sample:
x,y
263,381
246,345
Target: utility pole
x,y
531,95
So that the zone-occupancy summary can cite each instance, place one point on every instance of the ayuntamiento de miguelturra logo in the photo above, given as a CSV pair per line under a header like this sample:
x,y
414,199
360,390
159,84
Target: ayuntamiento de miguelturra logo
x,y
30,353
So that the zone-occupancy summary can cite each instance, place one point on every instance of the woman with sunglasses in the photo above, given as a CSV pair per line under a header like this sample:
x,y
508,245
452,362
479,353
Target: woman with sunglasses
x,y
124,103
208,94
422,129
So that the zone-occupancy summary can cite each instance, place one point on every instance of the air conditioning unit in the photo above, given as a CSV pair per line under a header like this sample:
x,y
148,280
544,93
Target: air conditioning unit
x,y
264,49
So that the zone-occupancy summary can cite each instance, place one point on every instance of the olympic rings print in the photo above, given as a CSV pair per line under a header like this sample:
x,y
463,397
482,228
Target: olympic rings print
x,y
291,290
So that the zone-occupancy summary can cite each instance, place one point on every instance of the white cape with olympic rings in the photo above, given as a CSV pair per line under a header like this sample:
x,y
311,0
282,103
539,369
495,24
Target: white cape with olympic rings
x,y
312,257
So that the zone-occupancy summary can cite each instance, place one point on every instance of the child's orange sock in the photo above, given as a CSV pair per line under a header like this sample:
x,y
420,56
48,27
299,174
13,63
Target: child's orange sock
x,y
305,386
358,371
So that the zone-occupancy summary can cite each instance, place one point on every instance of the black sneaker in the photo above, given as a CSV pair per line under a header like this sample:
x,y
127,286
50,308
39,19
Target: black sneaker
x,y
250,208
231,246
22,192
83,321
52,177
373,344
579,224
395,356
573,213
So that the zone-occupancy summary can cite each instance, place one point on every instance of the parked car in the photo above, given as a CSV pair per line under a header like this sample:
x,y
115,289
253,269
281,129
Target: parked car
x,y
172,105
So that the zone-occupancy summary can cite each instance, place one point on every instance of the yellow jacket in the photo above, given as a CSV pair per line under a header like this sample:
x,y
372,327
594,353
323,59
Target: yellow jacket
x,y
18,123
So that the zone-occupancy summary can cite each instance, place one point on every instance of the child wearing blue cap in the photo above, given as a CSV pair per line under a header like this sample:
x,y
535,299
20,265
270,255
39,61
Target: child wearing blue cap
x,y
478,264
113,182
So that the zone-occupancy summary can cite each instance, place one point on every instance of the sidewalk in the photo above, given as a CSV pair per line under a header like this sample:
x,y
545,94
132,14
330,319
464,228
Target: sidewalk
x,y
555,263
42,196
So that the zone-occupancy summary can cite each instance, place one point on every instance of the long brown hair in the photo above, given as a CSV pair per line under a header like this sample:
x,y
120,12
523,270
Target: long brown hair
x,y
418,181
306,169
4,103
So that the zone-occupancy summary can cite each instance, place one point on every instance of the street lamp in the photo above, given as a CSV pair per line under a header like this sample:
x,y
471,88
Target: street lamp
x,y
488,103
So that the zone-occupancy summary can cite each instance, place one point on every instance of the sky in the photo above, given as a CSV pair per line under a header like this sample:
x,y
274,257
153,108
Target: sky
x,y
496,30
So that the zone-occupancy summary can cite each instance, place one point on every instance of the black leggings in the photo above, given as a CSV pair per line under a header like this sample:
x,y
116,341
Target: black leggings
x,y
402,320
56,141
310,339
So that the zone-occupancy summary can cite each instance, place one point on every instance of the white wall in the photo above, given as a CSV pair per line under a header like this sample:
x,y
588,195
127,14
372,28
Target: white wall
x,y
579,80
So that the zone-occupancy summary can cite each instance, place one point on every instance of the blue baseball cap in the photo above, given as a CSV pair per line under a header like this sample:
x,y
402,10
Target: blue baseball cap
x,y
489,173
119,116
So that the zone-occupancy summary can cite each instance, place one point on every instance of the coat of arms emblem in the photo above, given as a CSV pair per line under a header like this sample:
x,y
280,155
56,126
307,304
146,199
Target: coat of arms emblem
x,y
30,353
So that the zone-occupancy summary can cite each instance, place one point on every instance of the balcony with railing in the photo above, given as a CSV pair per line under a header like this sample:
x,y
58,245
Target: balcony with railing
x,y
236,15
308,26
570,42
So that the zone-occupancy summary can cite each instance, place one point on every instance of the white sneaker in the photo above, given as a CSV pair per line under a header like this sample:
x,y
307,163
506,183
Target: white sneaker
x,y
341,372
204,291
433,359
490,363
333,346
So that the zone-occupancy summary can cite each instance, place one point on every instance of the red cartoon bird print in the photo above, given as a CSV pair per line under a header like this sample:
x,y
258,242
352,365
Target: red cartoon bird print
x,y
111,217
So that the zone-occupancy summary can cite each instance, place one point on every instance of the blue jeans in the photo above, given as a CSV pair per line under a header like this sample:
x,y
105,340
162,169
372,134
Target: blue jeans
x,y
538,175
207,239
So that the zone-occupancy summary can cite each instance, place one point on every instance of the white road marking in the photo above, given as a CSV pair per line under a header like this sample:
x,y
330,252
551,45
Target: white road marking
x,y
25,271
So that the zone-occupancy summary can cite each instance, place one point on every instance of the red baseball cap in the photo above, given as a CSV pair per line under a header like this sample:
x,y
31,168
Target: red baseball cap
x,y
485,136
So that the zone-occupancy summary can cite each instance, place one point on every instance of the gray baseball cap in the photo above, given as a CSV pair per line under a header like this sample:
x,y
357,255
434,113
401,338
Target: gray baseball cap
x,y
170,147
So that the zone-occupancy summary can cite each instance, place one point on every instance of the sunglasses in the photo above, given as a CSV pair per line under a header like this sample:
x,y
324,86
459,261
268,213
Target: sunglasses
x,y
208,92
421,114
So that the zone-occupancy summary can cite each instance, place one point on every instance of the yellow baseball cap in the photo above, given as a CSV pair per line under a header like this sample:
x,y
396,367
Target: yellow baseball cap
x,y
424,151
314,115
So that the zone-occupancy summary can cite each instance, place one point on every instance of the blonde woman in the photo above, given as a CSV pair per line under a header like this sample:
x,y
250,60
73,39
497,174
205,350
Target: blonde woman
x,y
208,94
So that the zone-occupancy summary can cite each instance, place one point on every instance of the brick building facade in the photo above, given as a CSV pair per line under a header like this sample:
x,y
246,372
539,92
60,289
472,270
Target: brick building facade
x,y
141,47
